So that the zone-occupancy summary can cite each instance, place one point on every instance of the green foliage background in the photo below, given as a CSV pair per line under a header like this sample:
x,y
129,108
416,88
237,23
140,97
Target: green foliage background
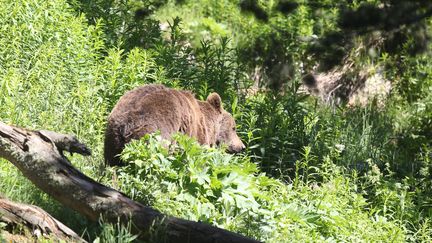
x,y
310,172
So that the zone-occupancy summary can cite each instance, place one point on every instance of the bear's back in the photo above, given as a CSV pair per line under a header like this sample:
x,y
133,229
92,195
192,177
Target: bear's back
x,y
153,107
133,98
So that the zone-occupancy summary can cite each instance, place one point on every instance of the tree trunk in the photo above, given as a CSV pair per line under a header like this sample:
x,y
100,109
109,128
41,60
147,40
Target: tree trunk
x,y
39,222
39,156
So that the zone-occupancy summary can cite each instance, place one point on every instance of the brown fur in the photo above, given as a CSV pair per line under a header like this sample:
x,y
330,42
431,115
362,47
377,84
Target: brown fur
x,y
150,108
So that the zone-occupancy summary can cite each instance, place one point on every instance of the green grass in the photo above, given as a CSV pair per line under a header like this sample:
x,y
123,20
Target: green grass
x,y
56,74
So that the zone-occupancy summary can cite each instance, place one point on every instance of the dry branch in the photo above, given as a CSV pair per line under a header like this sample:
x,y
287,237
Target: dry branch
x,y
39,156
39,222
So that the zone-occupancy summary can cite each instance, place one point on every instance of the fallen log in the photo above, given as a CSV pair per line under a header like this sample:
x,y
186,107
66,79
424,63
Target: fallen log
x,y
39,156
36,220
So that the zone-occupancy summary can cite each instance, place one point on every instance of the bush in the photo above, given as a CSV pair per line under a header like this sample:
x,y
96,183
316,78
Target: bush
x,y
198,183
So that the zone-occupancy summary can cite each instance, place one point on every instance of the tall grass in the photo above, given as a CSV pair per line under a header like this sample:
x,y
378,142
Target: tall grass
x,y
57,74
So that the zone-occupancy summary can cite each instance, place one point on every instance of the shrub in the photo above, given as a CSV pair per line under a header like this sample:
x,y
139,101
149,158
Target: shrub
x,y
199,183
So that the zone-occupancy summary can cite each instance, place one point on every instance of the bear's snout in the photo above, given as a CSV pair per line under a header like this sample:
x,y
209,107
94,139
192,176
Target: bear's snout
x,y
236,147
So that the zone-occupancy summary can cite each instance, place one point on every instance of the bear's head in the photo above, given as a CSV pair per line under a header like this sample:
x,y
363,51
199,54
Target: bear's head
x,y
226,127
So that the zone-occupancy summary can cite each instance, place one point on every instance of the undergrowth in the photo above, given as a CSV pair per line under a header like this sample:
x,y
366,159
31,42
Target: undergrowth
x,y
206,184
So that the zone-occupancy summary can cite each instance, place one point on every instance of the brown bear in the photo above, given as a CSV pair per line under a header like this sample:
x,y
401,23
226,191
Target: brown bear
x,y
151,108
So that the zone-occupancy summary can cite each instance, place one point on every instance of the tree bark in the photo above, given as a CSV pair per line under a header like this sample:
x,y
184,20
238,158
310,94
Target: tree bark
x,y
39,222
39,156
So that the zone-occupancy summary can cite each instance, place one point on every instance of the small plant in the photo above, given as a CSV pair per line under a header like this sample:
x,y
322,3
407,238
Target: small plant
x,y
115,233
2,227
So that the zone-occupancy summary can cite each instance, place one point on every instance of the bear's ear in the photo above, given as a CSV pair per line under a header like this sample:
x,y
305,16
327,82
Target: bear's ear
x,y
215,100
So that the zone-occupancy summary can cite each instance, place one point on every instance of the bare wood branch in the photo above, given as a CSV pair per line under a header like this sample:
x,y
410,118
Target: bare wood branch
x,y
65,142
42,162
39,222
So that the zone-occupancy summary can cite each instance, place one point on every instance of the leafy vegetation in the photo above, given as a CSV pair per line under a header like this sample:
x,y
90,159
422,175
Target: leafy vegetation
x,y
311,172
209,185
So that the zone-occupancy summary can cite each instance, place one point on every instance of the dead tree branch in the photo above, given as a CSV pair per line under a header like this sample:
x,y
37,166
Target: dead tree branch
x,y
39,222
